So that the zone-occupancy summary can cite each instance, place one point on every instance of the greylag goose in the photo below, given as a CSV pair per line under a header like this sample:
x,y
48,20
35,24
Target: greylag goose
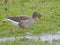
x,y
23,21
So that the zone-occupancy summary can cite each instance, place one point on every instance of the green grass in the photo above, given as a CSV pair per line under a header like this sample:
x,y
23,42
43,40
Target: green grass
x,y
49,9
26,42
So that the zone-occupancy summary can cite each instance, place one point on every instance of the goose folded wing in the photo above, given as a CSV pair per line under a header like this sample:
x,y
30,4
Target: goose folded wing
x,y
18,18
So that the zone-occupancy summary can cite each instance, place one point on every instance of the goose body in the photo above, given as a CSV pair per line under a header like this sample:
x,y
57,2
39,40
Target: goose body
x,y
23,21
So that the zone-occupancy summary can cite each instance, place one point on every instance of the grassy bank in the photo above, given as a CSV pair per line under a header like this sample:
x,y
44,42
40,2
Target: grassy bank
x,y
49,9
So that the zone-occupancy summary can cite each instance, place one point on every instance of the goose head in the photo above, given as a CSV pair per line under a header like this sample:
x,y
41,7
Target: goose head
x,y
37,14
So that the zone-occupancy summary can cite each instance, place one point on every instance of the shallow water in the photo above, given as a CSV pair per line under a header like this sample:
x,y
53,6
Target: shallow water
x,y
44,37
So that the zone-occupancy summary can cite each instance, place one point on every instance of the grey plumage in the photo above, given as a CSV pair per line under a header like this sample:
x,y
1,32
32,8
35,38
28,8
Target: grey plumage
x,y
23,21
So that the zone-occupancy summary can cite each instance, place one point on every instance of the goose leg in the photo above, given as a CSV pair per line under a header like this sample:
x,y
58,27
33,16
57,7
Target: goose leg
x,y
14,29
24,33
